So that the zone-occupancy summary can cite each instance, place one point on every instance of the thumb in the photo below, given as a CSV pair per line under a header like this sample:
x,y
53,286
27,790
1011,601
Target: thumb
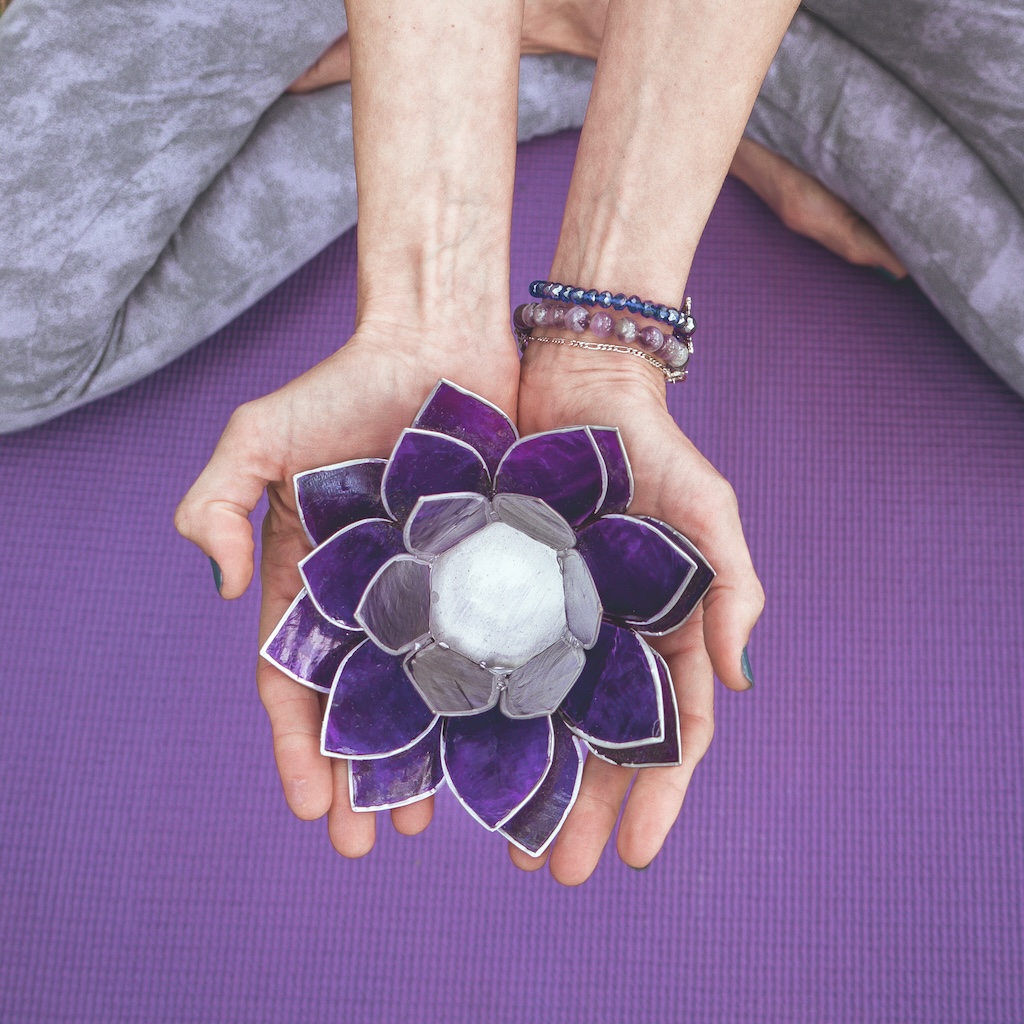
x,y
214,514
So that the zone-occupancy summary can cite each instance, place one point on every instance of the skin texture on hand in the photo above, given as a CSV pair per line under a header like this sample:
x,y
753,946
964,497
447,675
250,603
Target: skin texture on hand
x,y
642,189
675,483
435,220
435,195
800,201
353,405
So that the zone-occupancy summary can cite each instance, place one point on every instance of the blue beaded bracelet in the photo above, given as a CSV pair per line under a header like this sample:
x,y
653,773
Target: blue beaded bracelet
x,y
680,320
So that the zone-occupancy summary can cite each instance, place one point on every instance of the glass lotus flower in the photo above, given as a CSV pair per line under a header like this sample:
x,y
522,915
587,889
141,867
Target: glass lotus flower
x,y
477,604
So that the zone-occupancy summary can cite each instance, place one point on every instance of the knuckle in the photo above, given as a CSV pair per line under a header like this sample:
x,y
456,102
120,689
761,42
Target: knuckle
x,y
699,731
184,518
242,421
758,596
722,499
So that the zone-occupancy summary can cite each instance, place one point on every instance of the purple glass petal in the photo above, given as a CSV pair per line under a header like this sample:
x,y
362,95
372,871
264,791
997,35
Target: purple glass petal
x,y
534,827
650,755
335,496
535,518
494,764
539,686
395,610
428,463
440,521
694,591
305,646
582,603
563,467
450,683
620,477
459,413
398,780
337,573
616,701
639,572
374,710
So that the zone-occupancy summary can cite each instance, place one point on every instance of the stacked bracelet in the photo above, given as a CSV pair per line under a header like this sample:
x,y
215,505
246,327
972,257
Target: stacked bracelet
x,y
563,307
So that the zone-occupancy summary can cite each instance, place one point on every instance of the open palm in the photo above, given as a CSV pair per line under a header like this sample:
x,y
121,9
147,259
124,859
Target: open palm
x,y
675,483
352,405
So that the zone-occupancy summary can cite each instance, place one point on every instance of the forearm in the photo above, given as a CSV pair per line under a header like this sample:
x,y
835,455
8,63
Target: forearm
x,y
434,97
674,86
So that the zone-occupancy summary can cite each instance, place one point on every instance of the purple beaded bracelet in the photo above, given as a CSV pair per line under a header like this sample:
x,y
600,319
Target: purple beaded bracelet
x,y
680,320
670,353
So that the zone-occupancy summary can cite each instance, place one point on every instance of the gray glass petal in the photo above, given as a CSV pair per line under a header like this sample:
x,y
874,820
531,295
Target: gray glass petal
x,y
451,684
536,518
395,610
582,604
539,686
440,520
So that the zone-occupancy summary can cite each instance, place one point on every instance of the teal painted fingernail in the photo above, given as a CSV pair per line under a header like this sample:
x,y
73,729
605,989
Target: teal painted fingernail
x,y
888,275
644,868
218,576
748,672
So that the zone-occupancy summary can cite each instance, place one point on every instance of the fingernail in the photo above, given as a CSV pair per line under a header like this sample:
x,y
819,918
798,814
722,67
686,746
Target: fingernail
x,y
218,576
644,868
748,672
888,274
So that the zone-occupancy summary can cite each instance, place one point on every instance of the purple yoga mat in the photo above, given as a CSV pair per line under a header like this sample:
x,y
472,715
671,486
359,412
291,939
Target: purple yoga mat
x,y
851,849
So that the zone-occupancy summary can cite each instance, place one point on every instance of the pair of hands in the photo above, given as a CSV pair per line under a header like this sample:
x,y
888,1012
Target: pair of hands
x,y
354,405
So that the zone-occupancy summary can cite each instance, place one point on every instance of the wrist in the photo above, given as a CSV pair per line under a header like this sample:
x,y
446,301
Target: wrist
x,y
483,359
447,251
572,373
606,252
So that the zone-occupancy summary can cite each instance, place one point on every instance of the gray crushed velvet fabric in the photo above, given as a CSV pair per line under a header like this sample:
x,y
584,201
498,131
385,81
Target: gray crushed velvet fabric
x,y
915,116
154,181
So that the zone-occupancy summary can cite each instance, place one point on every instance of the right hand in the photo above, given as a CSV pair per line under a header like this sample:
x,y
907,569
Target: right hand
x,y
352,405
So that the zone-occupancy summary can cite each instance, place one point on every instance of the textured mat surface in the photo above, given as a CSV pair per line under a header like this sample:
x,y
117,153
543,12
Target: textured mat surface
x,y
852,849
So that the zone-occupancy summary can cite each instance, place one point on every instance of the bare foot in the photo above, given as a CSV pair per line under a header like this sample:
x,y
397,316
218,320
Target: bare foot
x,y
334,66
564,26
805,206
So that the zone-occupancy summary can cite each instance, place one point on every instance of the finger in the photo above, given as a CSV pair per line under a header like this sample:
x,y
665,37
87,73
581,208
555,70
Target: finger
x,y
590,823
657,794
214,514
412,819
352,832
334,66
524,861
295,712
736,598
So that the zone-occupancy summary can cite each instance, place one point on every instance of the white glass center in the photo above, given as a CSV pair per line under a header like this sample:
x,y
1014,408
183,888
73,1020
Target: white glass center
x,y
497,597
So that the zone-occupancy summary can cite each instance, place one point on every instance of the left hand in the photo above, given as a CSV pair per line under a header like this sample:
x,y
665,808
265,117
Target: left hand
x,y
675,483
